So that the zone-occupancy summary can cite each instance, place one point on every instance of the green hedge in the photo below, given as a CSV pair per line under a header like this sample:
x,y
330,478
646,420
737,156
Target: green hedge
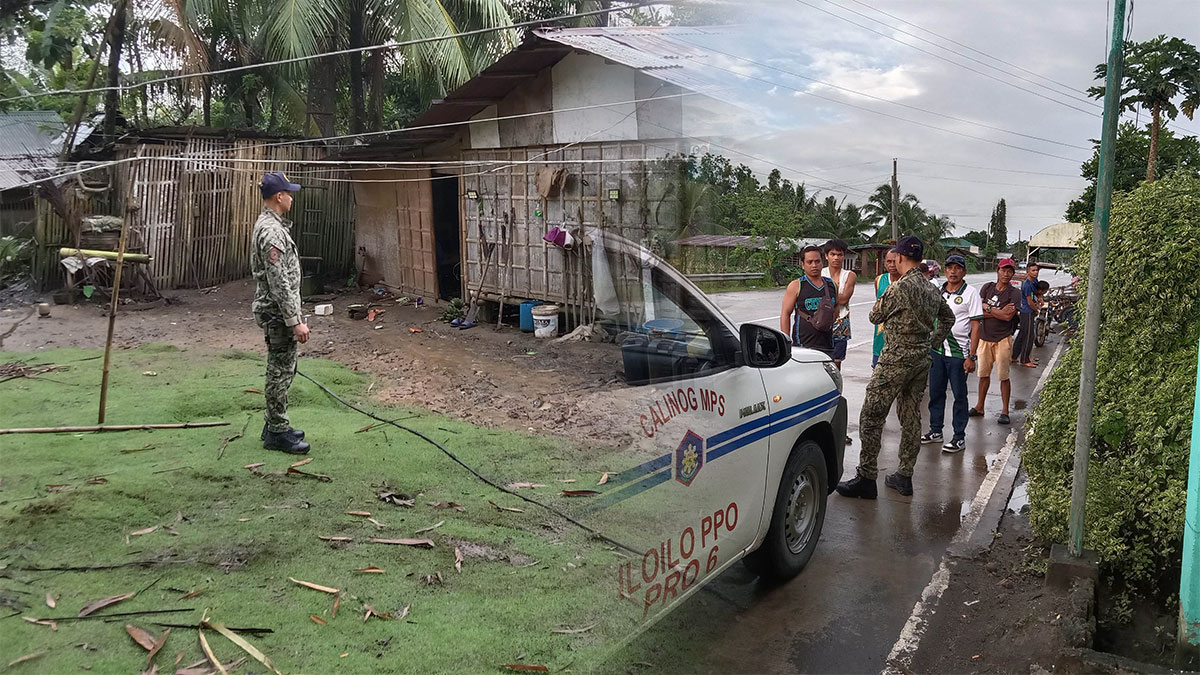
x,y
1144,392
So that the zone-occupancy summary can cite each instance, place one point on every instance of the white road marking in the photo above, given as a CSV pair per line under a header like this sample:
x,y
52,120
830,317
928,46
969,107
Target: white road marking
x,y
918,621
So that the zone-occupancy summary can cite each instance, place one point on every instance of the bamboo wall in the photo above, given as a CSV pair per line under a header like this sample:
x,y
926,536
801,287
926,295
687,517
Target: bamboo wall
x,y
195,216
646,213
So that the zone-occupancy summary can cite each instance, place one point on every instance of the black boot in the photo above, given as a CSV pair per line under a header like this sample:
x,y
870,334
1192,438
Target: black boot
x,y
297,433
858,486
900,483
285,442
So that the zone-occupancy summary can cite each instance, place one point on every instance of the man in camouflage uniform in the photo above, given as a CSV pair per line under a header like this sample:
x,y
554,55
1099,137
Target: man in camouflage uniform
x,y
276,268
914,317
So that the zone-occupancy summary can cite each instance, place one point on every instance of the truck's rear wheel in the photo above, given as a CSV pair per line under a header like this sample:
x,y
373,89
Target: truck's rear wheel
x,y
797,517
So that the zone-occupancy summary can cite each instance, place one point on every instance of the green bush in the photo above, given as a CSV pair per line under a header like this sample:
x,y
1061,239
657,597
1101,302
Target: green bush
x,y
1146,378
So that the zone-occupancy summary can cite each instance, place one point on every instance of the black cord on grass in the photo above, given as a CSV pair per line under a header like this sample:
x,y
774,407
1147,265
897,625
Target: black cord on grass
x,y
473,472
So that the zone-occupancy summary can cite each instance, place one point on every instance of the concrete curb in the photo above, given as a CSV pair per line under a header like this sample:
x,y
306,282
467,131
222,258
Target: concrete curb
x,y
984,535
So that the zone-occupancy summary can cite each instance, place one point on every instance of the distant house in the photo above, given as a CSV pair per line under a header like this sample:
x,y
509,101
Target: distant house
x,y
574,129
869,258
718,253
959,246
30,144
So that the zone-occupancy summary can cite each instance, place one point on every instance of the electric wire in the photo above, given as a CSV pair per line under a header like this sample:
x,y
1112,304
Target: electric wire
x,y
455,458
339,52
896,103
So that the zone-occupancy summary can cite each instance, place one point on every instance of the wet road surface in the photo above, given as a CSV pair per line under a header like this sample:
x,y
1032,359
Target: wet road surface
x,y
846,610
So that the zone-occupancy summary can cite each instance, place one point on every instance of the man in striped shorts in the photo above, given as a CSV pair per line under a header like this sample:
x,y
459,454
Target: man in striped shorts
x,y
955,357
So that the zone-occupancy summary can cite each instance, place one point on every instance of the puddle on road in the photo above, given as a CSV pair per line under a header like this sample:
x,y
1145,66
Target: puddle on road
x,y
1020,498
1020,404
963,511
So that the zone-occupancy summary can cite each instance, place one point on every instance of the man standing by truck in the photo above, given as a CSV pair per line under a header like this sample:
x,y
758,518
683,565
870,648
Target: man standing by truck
x,y
811,300
275,265
915,318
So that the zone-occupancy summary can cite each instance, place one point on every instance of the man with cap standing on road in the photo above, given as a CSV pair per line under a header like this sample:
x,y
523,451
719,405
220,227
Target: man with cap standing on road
x,y
914,317
275,264
955,357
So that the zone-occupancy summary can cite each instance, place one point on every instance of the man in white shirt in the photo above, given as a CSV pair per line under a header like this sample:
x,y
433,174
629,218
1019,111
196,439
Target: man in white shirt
x,y
954,358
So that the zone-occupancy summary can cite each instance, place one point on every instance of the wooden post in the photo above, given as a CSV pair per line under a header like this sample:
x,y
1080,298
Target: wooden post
x,y
116,293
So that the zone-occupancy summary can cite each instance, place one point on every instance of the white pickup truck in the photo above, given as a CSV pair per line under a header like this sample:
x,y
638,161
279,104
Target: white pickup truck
x,y
740,437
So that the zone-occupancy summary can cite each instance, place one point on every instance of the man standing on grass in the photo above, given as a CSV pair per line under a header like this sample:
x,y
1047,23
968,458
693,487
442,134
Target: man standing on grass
x,y
954,358
1000,300
882,282
276,268
915,318
1028,311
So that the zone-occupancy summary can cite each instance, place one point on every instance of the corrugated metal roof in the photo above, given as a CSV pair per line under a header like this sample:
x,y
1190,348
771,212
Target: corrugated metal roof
x,y
30,142
658,51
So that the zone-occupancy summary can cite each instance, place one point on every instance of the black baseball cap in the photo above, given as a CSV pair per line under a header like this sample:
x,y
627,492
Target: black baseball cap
x,y
909,247
274,182
957,260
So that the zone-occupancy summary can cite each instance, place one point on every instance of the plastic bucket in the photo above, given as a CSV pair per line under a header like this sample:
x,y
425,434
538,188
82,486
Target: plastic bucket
x,y
527,314
545,321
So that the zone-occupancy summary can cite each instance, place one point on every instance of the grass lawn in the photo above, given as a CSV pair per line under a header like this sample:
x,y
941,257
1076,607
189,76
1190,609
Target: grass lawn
x,y
238,535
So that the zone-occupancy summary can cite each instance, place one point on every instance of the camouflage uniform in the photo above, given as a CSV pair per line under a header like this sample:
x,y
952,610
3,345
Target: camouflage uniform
x,y
276,268
914,317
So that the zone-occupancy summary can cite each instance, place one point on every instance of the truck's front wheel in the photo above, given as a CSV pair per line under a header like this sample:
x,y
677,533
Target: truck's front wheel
x,y
797,518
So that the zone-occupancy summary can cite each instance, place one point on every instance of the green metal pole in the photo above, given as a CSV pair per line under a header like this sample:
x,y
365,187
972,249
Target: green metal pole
x,y
1189,582
1095,287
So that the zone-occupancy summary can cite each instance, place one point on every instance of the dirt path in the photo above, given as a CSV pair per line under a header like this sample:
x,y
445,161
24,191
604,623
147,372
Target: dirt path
x,y
496,378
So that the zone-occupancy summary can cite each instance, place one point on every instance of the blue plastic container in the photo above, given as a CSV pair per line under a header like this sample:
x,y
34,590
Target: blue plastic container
x,y
527,314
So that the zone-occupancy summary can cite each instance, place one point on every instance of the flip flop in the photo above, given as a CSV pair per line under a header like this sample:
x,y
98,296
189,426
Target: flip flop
x,y
974,413
466,324
456,322
1030,365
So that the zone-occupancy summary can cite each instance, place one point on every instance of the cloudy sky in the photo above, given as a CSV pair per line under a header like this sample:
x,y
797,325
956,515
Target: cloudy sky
x,y
881,93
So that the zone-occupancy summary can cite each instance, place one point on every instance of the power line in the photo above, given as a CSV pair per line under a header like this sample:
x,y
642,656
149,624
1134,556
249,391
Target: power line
x,y
991,168
117,162
937,56
897,103
897,117
1070,94
340,52
986,182
966,46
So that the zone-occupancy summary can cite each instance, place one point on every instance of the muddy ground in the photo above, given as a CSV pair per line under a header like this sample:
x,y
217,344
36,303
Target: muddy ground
x,y
495,378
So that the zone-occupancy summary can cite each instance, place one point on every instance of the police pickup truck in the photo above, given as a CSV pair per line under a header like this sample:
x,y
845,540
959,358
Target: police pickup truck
x,y
739,437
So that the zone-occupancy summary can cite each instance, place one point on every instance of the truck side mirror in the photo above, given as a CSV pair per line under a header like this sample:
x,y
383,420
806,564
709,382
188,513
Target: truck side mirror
x,y
764,347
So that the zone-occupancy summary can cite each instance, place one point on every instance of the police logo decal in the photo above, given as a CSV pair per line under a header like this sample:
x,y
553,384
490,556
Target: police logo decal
x,y
689,458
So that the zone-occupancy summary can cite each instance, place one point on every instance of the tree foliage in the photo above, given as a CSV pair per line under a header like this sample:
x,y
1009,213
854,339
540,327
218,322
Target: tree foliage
x,y
1157,72
1132,151
1145,376
998,226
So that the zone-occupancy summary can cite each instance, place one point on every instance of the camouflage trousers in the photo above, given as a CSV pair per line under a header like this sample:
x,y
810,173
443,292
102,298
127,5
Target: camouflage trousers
x,y
281,369
900,376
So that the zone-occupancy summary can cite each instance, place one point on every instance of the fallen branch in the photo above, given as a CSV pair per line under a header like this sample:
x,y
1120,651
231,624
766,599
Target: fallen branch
x,y
251,631
112,427
119,614
227,441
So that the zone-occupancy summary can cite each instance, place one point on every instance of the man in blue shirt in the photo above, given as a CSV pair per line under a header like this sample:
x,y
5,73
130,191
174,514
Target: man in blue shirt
x,y
1028,311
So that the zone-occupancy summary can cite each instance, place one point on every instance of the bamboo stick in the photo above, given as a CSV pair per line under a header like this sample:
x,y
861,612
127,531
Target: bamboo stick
x,y
113,427
68,252
112,310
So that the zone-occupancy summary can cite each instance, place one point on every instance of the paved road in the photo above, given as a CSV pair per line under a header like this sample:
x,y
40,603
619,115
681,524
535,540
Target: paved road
x,y
844,613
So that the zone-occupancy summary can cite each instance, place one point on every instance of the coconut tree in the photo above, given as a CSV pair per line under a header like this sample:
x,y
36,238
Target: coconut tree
x,y
1156,73
878,209
839,221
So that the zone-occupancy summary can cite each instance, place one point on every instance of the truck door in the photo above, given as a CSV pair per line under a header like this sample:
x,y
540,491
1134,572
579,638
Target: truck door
x,y
689,493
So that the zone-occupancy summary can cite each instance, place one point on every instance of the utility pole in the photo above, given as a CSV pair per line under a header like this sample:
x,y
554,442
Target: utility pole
x,y
1095,282
1189,582
895,203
